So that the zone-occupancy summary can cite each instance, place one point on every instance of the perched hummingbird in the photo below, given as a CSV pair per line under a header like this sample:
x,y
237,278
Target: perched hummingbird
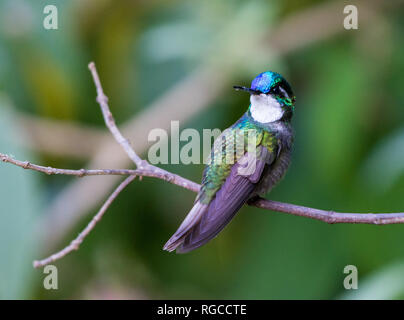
x,y
224,189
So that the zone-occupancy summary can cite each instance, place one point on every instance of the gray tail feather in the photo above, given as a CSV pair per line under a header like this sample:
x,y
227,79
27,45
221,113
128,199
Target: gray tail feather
x,y
203,232
193,217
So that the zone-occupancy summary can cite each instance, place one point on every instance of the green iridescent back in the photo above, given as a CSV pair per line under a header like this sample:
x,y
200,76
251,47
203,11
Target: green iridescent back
x,y
236,140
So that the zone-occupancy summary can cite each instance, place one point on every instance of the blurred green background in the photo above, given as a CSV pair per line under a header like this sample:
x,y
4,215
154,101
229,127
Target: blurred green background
x,y
177,60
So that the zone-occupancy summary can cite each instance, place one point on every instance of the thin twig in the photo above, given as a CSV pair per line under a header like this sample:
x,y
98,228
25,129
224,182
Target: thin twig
x,y
330,216
146,169
151,172
141,164
67,172
110,121
75,244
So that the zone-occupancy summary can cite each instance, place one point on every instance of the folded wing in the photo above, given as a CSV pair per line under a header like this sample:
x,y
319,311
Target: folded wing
x,y
205,221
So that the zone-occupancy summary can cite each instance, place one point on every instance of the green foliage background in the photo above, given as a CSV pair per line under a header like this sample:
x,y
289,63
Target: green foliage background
x,y
349,149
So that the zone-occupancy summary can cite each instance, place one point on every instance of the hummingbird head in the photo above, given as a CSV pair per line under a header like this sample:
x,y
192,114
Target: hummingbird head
x,y
271,97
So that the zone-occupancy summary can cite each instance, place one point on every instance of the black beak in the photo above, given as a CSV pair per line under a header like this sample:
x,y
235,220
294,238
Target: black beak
x,y
252,91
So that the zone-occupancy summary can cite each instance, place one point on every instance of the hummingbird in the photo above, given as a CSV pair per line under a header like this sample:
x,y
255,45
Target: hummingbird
x,y
225,188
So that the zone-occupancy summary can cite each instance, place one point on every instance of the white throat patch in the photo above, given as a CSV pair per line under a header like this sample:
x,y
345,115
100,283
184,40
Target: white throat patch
x,y
265,109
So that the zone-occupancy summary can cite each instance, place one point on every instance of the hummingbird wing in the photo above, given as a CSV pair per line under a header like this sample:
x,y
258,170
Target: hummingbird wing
x,y
224,191
228,200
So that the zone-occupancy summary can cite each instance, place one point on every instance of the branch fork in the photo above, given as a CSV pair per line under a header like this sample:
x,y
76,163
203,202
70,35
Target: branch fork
x,y
145,169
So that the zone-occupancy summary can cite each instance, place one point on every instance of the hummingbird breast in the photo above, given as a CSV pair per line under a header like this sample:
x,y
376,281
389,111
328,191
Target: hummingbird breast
x,y
276,171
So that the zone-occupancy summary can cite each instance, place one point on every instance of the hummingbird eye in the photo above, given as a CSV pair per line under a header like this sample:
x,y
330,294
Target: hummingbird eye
x,y
282,91
276,90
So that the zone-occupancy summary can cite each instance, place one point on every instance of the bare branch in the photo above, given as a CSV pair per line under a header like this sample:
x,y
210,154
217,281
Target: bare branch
x,y
330,216
75,244
102,99
317,214
152,172
146,169
142,165
67,172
